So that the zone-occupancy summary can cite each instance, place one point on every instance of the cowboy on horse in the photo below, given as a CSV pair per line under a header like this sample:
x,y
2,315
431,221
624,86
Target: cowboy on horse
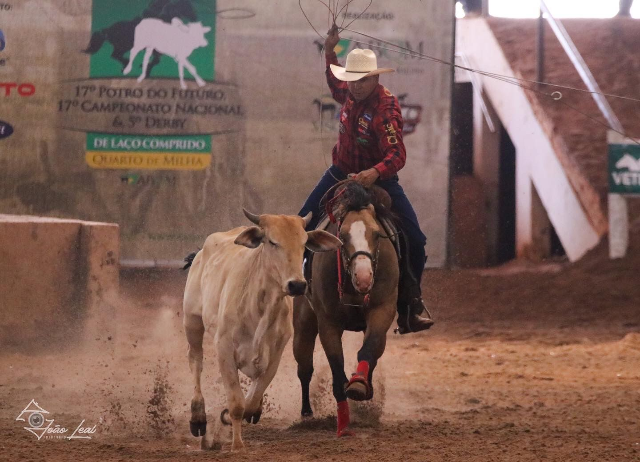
x,y
370,150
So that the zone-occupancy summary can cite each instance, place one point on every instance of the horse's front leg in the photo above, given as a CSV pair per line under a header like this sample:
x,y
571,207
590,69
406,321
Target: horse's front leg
x,y
379,320
331,339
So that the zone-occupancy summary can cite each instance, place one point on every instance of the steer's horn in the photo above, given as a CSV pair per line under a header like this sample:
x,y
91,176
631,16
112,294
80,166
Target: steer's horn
x,y
253,218
307,219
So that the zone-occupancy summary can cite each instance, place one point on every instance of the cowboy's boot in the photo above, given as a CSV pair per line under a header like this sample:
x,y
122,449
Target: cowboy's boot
x,y
412,320
411,306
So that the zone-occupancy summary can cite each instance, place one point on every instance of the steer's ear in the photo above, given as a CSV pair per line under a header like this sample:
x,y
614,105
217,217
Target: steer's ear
x,y
322,241
250,237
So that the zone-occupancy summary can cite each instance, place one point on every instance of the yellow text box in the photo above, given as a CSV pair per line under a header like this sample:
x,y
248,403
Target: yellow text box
x,y
147,160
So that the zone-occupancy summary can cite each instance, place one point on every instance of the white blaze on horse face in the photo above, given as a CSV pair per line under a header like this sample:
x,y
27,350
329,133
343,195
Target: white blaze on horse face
x,y
362,272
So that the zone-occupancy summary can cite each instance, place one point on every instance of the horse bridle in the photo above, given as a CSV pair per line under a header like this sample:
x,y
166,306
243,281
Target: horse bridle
x,y
346,261
349,259
343,259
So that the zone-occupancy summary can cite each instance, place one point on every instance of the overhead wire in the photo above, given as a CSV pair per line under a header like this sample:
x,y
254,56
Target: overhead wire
x,y
517,81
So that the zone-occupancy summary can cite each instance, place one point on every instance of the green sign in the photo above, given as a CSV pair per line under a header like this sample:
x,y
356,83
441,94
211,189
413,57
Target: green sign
x,y
624,168
151,55
115,23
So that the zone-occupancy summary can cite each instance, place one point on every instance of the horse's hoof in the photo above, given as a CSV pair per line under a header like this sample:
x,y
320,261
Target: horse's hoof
x,y
306,415
198,428
224,417
345,432
359,391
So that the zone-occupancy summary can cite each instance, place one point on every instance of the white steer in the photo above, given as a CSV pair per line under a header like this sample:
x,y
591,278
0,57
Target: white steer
x,y
239,289
177,40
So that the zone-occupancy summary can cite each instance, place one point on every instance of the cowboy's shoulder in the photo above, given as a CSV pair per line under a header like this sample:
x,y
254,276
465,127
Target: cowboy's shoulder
x,y
387,101
386,93
386,97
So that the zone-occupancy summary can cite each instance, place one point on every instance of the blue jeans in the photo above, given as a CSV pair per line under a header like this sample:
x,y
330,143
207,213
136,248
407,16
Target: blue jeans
x,y
400,206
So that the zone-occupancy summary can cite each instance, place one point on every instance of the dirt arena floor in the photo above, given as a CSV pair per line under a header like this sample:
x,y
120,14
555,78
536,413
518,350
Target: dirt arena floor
x,y
526,363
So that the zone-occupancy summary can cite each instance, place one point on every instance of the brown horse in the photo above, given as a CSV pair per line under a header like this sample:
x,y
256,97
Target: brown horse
x,y
365,303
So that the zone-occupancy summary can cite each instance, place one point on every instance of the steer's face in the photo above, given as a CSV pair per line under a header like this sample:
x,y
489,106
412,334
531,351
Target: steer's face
x,y
282,240
197,31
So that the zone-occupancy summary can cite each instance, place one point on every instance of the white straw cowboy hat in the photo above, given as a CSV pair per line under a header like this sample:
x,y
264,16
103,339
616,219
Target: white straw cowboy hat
x,y
360,63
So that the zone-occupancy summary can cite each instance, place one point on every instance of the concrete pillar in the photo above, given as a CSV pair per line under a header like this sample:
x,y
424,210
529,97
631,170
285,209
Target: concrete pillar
x,y
524,204
486,168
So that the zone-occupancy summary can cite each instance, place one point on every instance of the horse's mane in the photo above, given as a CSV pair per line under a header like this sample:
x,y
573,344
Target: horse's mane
x,y
350,196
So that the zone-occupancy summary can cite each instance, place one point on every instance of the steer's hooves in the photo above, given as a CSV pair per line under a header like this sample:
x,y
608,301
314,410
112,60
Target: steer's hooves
x,y
254,418
224,417
359,391
198,428
307,415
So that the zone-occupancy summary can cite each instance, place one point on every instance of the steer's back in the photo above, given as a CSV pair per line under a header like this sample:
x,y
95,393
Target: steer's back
x,y
158,34
217,277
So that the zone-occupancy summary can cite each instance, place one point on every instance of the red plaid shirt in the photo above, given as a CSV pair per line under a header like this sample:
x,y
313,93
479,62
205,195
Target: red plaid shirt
x,y
370,130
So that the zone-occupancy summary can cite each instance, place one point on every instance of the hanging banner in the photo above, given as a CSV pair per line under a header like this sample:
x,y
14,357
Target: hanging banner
x,y
168,117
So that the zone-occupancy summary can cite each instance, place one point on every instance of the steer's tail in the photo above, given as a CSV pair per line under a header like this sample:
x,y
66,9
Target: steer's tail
x,y
96,42
189,259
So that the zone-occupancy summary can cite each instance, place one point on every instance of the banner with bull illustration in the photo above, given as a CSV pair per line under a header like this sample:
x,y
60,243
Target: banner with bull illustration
x,y
169,116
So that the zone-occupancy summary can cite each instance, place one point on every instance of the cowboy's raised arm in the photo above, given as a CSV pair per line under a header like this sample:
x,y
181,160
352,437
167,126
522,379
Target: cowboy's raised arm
x,y
339,89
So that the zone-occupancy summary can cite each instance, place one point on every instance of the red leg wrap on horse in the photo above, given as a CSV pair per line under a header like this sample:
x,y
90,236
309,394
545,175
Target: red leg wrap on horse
x,y
363,369
343,418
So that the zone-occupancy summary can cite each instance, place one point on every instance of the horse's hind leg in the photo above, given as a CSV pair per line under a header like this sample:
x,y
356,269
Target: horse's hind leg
x,y
305,331
375,340
118,55
132,56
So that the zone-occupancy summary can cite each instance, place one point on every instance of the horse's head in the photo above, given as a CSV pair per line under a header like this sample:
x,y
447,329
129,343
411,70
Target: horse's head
x,y
360,234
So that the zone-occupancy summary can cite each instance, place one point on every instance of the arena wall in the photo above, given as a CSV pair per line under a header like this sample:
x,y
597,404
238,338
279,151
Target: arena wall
x,y
169,165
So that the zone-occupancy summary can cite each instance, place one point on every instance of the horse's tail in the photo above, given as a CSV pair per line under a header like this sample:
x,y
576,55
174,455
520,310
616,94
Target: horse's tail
x,y
189,259
97,40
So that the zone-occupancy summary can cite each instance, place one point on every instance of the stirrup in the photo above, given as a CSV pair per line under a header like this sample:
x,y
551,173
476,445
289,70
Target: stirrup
x,y
404,320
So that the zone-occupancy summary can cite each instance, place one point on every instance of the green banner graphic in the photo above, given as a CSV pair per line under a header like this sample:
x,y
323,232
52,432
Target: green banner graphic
x,y
152,55
624,168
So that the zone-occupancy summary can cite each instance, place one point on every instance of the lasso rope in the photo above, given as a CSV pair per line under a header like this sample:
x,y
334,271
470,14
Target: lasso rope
x,y
334,12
